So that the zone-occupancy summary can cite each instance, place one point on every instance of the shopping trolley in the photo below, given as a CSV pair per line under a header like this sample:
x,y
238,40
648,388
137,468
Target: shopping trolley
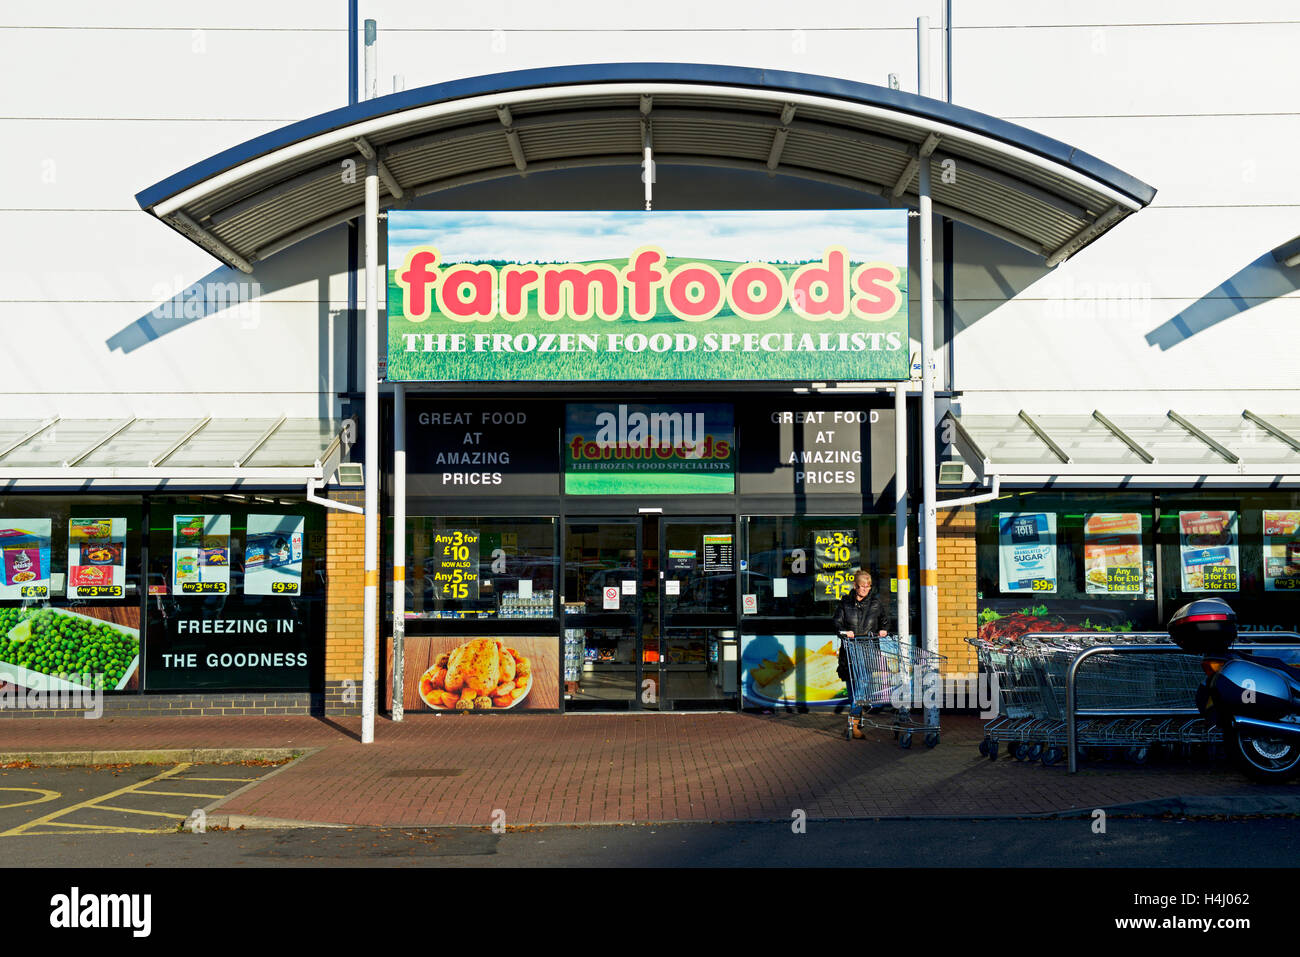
x,y
1031,674
890,678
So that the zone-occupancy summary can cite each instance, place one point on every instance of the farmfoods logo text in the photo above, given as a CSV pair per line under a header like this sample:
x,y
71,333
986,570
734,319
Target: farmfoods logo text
x,y
631,448
632,296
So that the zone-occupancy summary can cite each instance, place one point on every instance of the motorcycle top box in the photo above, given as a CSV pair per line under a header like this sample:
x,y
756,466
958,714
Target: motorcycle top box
x,y
1205,627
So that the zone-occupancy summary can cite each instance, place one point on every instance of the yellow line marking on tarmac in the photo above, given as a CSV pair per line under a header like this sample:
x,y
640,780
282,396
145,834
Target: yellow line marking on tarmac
x,y
91,802
134,810
180,794
112,828
45,795
241,780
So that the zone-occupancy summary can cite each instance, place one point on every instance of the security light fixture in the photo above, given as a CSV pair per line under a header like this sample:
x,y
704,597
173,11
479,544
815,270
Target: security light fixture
x,y
350,475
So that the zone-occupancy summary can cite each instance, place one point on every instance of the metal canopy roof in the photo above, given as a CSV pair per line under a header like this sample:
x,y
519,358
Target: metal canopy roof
x,y
255,199
151,452
1131,450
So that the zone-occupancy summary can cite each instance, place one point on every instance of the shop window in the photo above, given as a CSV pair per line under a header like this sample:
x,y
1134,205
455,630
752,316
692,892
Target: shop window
x,y
70,591
236,593
1242,547
1069,561
479,567
800,566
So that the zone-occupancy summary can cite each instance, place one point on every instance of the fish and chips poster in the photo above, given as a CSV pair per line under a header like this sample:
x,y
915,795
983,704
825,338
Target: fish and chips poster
x,y
97,558
1112,553
1208,551
1281,550
791,671
201,554
25,549
1027,552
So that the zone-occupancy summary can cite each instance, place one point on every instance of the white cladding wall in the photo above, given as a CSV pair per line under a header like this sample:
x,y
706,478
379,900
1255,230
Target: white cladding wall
x,y
1194,98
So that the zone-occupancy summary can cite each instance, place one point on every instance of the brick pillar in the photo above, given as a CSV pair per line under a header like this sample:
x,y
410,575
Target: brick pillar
x,y
956,541
345,580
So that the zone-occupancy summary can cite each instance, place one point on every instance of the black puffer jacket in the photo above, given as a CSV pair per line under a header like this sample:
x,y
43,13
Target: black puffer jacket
x,y
864,618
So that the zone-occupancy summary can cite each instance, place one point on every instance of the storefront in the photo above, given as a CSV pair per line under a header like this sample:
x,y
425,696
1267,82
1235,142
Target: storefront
x,y
630,581
635,457
1113,522
628,545
136,567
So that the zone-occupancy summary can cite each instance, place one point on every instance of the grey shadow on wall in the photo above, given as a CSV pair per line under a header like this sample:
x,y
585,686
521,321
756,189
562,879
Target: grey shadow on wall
x,y
1268,277
988,272
227,290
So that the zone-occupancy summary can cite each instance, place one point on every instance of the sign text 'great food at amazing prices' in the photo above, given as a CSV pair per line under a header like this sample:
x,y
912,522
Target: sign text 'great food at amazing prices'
x,y
583,296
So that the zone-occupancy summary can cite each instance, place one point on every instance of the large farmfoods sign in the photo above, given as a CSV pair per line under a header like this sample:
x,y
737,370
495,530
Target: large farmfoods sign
x,y
580,296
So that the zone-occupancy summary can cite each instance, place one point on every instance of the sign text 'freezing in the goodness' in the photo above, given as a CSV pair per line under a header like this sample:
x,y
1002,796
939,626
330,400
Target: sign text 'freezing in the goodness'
x,y
620,296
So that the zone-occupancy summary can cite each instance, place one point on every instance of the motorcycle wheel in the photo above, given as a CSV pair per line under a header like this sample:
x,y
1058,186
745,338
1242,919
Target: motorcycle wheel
x,y
1264,759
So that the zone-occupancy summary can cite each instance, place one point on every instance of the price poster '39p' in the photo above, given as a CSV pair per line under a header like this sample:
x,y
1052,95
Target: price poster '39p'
x,y
1027,552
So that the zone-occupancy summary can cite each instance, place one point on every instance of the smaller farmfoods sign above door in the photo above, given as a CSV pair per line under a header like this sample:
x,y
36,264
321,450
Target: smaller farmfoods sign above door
x,y
621,296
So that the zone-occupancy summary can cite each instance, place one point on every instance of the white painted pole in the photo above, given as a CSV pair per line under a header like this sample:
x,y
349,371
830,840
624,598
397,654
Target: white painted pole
x,y
929,531
901,527
398,684
648,165
370,603
372,61
370,592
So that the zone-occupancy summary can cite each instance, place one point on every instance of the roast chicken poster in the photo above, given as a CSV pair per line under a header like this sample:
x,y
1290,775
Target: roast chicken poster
x,y
479,675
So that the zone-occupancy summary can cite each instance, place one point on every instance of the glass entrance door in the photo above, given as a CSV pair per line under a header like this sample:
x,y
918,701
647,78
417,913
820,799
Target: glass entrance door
x,y
604,573
650,613
699,595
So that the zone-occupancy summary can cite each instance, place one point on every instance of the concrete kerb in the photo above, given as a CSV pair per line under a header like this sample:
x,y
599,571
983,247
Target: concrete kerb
x,y
235,821
73,759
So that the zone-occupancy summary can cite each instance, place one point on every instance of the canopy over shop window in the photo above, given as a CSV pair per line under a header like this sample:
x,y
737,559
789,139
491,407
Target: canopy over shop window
x,y
1131,450
153,453
253,200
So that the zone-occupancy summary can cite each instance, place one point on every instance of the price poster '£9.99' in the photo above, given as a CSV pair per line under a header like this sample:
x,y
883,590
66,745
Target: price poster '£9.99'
x,y
1281,551
1208,549
1027,552
273,555
201,554
25,551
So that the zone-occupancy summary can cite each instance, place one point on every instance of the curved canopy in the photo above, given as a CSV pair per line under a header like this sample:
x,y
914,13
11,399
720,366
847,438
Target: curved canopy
x,y
255,199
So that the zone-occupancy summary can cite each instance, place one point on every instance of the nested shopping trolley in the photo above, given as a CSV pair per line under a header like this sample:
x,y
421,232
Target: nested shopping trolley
x,y
1145,694
890,680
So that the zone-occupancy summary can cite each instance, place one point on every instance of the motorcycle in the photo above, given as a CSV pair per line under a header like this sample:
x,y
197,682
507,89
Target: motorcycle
x,y
1253,697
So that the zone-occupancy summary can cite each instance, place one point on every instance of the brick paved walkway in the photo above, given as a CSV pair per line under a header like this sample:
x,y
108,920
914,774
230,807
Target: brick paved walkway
x,y
432,770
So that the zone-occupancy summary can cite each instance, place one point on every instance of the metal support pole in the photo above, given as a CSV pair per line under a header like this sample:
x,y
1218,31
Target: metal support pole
x,y
398,684
370,602
900,510
929,544
648,171
372,60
